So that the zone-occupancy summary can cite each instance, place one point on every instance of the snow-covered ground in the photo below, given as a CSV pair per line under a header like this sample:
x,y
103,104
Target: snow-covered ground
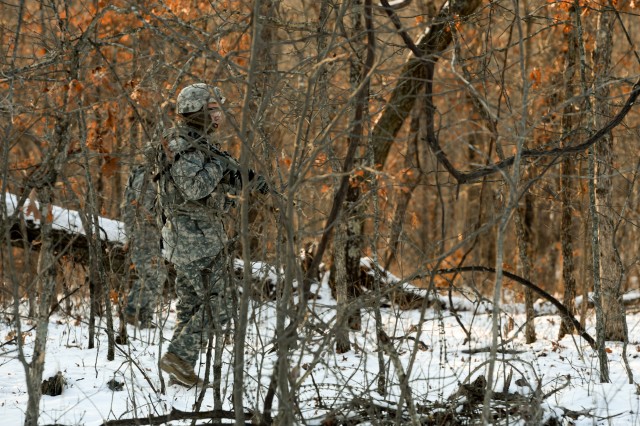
x,y
568,367
431,346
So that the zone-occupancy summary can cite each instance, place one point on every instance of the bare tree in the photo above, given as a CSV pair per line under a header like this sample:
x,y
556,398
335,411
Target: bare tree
x,y
568,168
43,179
609,259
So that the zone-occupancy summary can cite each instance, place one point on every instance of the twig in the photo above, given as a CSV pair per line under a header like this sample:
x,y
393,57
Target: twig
x,y
488,349
176,414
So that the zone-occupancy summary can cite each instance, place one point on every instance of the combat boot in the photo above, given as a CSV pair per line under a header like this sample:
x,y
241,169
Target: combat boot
x,y
179,370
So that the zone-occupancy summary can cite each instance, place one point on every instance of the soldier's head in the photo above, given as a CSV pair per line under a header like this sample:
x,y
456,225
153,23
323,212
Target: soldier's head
x,y
200,105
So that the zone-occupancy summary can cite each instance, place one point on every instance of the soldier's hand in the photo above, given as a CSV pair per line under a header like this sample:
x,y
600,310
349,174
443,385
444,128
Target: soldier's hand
x,y
233,178
261,185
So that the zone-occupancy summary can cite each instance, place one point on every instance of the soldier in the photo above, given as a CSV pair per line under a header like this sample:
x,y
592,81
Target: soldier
x,y
138,210
197,185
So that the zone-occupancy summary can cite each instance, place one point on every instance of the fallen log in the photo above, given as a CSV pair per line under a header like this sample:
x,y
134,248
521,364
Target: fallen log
x,y
22,229
176,415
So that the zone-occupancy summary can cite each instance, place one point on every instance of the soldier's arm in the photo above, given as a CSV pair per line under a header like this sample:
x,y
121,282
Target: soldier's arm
x,y
196,176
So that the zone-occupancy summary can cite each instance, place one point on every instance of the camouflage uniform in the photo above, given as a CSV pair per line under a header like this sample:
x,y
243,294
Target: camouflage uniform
x,y
197,186
141,226
195,194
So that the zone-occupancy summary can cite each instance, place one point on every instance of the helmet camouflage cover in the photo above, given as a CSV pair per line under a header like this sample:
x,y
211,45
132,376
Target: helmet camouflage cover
x,y
196,96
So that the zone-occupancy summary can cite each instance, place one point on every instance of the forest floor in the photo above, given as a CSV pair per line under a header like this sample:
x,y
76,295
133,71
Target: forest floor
x,y
547,382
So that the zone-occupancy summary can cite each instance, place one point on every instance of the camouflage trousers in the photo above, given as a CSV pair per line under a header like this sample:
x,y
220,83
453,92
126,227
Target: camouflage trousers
x,y
205,302
151,275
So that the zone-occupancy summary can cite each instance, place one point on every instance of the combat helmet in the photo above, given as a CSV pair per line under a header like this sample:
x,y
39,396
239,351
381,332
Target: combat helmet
x,y
196,96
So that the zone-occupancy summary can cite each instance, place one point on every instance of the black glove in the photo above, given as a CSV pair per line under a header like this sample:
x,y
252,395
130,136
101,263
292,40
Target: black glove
x,y
261,184
233,178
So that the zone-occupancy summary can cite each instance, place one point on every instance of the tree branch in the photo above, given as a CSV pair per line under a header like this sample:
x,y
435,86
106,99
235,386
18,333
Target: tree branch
x,y
176,414
528,284
475,175
433,42
396,22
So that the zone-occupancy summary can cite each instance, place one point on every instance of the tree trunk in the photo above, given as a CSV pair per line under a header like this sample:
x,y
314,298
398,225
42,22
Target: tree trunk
x,y
258,91
586,264
524,220
339,273
266,72
352,219
47,284
354,245
410,179
339,268
43,179
567,191
610,265
432,43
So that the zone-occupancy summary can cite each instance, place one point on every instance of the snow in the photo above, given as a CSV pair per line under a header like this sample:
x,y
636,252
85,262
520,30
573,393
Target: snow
x,y
68,220
568,365
431,347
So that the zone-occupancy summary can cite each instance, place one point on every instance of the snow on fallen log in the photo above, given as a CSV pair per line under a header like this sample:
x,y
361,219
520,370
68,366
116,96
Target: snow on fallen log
x,y
69,235
66,220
